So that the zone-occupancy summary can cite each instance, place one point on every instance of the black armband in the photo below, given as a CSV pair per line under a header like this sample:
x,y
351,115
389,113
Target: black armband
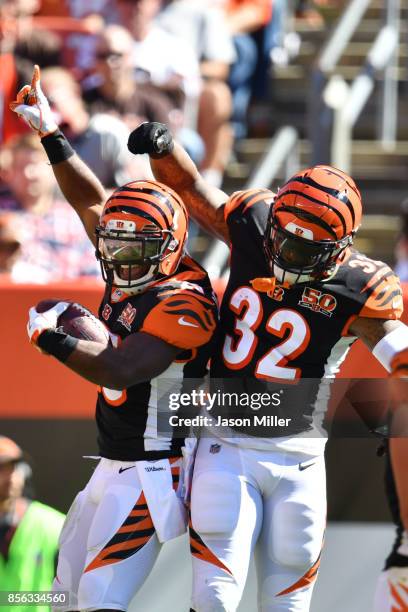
x,y
57,343
57,147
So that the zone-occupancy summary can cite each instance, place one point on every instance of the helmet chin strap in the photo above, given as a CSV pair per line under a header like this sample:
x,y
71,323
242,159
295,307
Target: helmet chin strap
x,y
286,279
290,278
282,276
131,291
330,276
150,277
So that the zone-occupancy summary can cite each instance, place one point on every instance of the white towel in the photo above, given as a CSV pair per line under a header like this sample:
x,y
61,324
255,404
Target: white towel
x,y
187,466
166,508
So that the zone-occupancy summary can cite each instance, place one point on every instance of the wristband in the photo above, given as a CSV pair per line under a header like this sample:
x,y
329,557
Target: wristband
x,y
57,147
392,347
57,343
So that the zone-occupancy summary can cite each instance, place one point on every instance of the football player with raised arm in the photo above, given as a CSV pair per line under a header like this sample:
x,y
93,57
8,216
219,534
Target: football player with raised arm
x,y
161,313
297,298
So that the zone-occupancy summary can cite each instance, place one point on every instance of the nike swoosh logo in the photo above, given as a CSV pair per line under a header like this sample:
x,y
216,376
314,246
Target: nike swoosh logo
x,y
122,469
182,321
304,466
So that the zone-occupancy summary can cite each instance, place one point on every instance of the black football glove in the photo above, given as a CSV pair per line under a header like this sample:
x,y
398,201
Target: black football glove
x,y
152,138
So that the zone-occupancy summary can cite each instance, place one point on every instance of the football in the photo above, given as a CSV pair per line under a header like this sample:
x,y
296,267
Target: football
x,y
77,321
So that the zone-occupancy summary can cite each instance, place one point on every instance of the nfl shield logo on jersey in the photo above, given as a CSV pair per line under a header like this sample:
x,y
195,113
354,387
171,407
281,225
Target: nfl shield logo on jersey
x,y
215,448
117,295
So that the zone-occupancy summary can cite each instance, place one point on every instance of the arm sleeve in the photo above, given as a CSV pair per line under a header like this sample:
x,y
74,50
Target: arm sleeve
x,y
182,319
246,214
383,296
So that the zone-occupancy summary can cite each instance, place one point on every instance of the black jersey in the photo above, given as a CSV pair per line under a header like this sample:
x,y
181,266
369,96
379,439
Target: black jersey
x,y
181,310
293,333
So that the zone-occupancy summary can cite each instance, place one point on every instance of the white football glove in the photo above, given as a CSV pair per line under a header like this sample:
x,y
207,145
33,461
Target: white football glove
x,y
32,105
40,321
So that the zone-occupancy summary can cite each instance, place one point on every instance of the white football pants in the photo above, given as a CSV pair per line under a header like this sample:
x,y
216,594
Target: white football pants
x,y
391,593
272,503
108,544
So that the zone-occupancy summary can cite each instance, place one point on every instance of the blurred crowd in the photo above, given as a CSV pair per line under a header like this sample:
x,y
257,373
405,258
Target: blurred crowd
x,y
108,65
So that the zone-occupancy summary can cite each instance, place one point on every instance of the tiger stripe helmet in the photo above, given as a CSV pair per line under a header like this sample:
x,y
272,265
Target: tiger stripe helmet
x,y
311,222
141,235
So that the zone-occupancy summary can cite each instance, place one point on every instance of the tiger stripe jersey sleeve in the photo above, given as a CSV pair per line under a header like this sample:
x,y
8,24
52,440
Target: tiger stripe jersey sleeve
x,y
242,203
374,287
246,214
384,296
184,318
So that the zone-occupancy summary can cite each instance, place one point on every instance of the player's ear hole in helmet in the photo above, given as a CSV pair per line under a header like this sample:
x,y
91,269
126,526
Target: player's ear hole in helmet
x,y
311,223
141,235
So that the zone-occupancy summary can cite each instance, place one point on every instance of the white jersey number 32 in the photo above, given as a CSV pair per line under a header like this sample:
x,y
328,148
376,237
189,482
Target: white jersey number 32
x,y
246,304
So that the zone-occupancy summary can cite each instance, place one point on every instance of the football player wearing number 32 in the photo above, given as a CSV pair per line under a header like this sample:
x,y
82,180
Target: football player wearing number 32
x,y
298,296
160,310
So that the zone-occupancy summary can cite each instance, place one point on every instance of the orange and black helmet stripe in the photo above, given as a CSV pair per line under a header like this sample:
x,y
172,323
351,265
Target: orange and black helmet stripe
x,y
341,196
149,200
167,190
145,207
323,196
310,217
